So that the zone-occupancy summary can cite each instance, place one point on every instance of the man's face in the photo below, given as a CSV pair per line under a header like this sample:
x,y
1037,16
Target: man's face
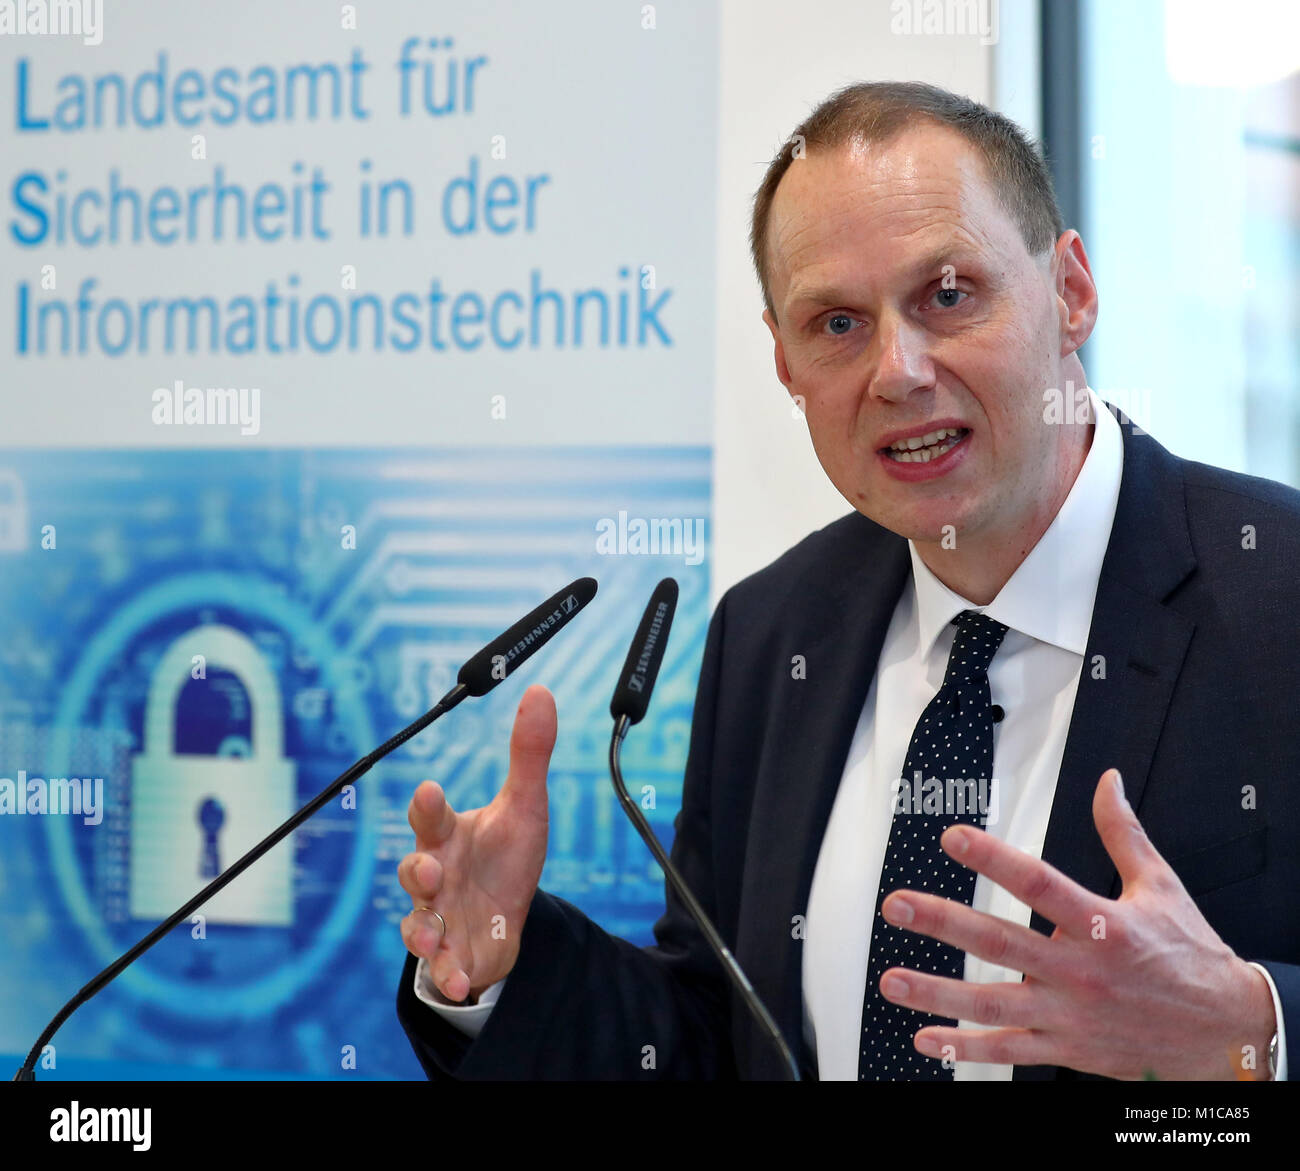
x,y
881,338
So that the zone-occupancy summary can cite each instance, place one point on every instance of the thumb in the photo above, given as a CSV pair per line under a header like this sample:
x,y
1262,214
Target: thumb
x,y
531,742
1121,833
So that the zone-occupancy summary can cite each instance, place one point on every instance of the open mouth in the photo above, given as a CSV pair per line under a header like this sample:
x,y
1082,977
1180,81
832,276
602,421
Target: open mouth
x,y
923,448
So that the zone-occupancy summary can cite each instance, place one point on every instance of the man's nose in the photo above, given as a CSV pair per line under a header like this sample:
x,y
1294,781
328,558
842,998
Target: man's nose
x,y
903,362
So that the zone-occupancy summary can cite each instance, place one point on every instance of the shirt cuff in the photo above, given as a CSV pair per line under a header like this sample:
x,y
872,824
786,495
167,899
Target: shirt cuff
x,y
1281,1025
468,1018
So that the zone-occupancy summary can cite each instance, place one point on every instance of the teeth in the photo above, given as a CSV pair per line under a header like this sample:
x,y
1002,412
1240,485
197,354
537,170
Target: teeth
x,y
922,440
924,456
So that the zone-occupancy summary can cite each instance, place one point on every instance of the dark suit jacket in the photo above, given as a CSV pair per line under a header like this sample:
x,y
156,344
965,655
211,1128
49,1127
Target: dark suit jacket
x,y
1197,634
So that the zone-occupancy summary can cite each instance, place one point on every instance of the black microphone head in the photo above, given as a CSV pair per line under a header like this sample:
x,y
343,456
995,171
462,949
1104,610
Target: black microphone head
x,y
526,637
637,681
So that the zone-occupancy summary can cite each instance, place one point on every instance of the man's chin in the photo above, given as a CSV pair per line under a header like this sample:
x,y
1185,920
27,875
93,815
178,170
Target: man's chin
x,y
929,526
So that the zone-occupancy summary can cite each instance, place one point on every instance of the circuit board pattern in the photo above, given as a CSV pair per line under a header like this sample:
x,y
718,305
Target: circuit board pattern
x,y
363,579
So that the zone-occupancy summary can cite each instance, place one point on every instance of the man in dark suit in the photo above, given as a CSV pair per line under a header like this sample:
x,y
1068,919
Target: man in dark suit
x,y
924,226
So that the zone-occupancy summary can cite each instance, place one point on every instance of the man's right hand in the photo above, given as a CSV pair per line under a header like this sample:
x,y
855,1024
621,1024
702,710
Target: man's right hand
x,y
479,869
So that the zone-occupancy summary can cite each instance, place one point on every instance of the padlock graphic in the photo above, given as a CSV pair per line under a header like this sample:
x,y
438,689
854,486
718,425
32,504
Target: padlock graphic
x,y
13,512
193,815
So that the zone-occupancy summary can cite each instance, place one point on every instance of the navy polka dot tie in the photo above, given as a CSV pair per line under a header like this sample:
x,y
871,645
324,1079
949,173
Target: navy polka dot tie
x,y
946,781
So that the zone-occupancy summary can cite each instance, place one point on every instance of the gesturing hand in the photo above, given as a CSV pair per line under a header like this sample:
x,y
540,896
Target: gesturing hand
x,y
1125,988
479,869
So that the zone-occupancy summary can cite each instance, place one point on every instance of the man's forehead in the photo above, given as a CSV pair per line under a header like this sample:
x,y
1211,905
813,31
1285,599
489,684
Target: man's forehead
x,y
923,195
925,159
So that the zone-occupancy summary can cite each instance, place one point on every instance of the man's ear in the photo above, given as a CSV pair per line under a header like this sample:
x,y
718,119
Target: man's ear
x,y
782,370
1075,291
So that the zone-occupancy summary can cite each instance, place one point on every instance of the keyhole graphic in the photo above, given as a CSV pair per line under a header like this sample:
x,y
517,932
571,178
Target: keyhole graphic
x,y
212,815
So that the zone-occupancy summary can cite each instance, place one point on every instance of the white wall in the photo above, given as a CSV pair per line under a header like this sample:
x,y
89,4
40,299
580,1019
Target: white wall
x,y
779,59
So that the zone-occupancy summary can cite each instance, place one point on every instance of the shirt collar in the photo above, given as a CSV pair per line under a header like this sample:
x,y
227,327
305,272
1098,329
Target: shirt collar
x,y
1050,596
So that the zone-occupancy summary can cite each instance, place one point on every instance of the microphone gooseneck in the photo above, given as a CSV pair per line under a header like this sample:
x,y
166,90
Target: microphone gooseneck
x,y
477,677
631,699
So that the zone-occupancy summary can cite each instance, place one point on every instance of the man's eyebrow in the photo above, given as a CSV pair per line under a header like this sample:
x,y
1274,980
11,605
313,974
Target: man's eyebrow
x,y
958,255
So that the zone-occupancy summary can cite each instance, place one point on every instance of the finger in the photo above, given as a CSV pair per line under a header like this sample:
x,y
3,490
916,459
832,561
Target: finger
x,y
531,742
1007,944
1005,1005
421,877
1122,834
995,1046
430,816
1058,899
426,938
421,934
448,974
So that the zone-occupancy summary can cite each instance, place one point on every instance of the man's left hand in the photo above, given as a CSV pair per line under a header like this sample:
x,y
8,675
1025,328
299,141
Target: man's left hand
x,y
1134,987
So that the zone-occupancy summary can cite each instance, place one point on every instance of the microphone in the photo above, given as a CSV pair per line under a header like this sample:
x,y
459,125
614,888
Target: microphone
x,y
628,707
527,636
641,668
477,677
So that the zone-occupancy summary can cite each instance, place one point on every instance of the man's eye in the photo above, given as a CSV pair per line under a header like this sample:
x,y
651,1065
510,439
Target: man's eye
x,y
844,320
954,294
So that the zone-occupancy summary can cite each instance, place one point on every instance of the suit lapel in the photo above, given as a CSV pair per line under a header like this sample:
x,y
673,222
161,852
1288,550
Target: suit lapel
x,y
845,617
1135,652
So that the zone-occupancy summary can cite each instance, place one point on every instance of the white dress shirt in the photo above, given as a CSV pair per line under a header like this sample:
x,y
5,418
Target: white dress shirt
x,y
1047,607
